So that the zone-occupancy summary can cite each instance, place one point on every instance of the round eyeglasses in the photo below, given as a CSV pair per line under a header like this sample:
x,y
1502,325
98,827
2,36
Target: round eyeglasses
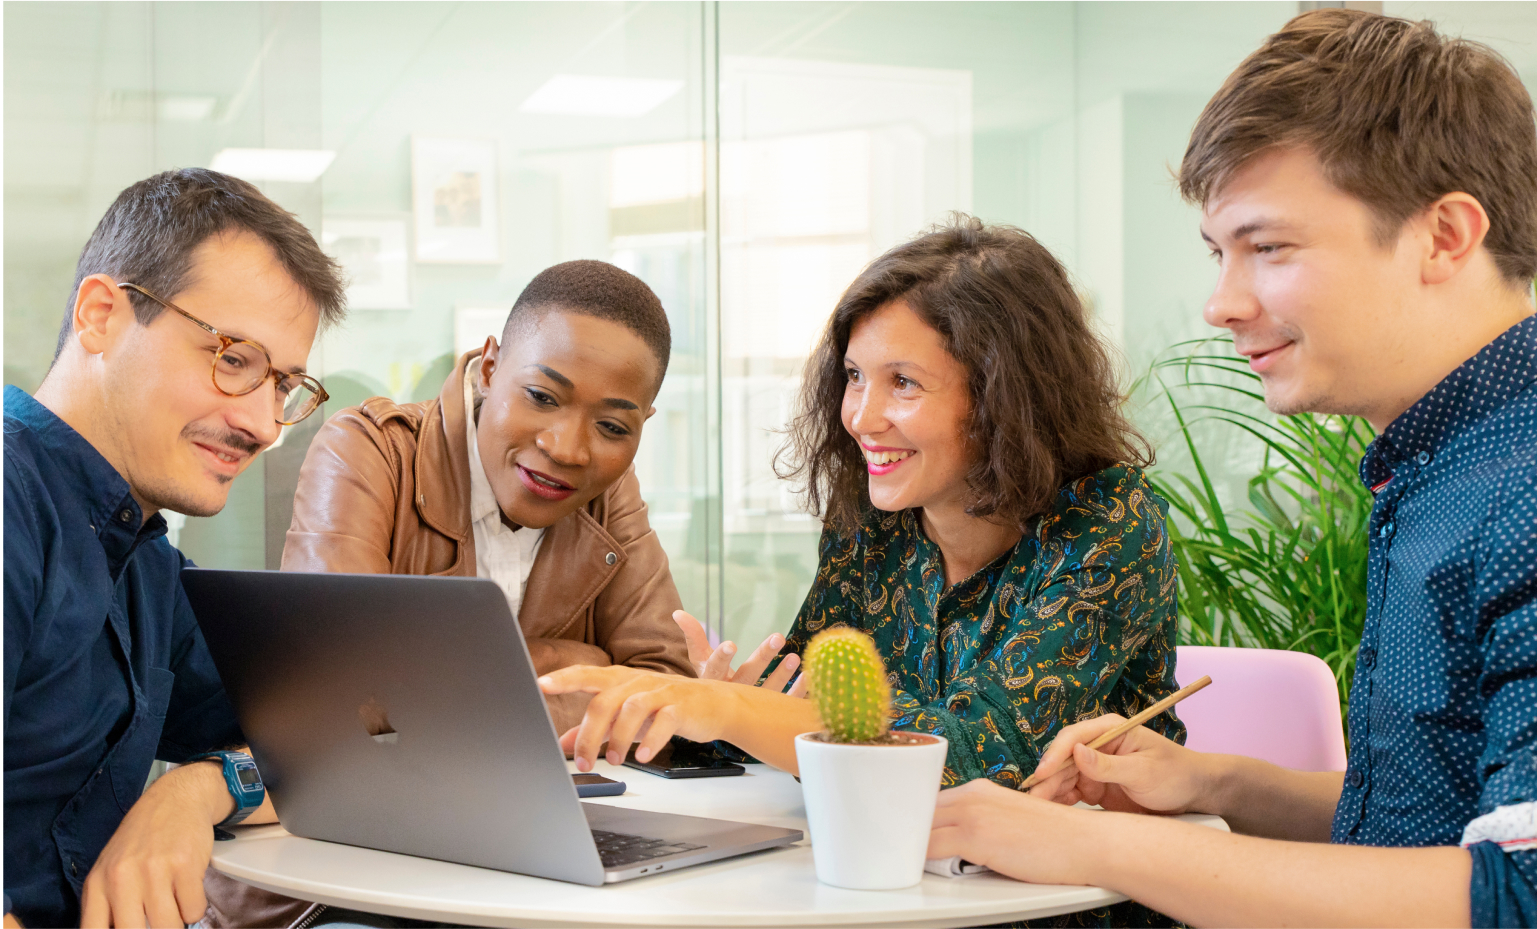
x,y
240,366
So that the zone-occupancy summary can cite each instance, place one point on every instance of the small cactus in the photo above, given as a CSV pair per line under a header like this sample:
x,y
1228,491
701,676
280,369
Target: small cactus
x,y
848,682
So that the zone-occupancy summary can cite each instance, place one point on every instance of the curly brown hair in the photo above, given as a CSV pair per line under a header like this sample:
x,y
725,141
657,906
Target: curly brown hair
x,y
1045,405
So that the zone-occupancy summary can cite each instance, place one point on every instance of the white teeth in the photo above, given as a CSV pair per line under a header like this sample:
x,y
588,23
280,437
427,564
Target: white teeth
x,y
883,458
224,457
547,483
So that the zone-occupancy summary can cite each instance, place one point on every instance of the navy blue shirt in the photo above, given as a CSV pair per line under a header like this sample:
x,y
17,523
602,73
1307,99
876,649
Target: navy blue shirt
x,y
105,669
1443,708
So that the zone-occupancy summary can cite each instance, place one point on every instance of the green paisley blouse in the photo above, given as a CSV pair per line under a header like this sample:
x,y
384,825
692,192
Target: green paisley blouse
x,y
1075,620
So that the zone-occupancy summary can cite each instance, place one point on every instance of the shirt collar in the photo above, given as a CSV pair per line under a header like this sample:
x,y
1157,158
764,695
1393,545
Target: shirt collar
x,y
482,499
101,489
1472,392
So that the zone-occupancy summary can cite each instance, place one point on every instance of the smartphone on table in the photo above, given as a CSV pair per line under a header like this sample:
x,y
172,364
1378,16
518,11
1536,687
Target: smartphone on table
x,y
682,758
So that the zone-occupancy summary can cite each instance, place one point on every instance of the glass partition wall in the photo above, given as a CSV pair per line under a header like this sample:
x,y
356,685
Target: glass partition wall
x,y
745,159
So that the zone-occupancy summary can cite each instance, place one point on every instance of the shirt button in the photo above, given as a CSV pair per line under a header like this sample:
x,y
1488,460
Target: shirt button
x,y
1355,777
125,515
73,868
610,558
1385,530
1423,458
1367,657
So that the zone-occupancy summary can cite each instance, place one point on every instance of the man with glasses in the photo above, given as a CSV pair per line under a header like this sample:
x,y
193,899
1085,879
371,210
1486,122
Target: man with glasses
x,y
149,405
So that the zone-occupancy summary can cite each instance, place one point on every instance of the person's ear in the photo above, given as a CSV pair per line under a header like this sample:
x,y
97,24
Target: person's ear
x,y
651,412
1457,225
100,306
486,365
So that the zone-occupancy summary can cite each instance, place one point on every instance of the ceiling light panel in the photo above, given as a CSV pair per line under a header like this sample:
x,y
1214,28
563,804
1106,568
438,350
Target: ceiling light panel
x,y
588,95
299,165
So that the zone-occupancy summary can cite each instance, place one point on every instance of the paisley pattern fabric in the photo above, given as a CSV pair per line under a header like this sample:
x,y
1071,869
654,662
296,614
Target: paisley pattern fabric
x,y
1074,621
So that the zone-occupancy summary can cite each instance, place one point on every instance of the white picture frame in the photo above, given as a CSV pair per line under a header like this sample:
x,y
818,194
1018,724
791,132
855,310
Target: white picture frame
x,y
375,254
473,323
455,200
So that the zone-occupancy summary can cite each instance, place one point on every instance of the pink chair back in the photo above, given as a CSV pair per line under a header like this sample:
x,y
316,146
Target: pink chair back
x,y
1278,706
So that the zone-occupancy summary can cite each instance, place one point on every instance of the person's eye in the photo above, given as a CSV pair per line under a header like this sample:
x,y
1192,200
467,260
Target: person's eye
x,y
539,397
1215,254
614,429
853,375
904,382
1269,248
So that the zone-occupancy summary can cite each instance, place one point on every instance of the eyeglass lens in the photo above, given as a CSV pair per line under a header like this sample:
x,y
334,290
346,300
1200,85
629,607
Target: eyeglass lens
x,y
242,366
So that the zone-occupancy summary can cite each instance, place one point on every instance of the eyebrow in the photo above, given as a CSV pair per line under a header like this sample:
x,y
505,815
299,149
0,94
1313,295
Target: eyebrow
x,y
892,364
1249,228
617,403
554,375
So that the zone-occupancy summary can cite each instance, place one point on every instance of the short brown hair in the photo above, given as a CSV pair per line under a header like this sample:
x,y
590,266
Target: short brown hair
x,y
1045,406
1397,115
149,233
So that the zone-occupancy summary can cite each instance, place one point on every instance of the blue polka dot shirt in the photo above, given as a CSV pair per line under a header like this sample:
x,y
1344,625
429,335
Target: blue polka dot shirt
x,y
1443,708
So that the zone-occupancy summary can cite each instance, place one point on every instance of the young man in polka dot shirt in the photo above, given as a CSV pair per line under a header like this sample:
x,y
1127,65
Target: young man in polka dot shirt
x,y
1369,190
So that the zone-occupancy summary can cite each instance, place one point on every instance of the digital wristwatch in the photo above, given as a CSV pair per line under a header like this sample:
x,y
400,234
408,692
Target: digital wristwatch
x,y
242,779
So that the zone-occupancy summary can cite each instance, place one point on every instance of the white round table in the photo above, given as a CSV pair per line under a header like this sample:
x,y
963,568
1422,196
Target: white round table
x,y
773,888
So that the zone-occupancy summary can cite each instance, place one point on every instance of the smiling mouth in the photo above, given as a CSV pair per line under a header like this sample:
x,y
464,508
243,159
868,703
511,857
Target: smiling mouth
x,y
1260,361
223,455
879,461
543,485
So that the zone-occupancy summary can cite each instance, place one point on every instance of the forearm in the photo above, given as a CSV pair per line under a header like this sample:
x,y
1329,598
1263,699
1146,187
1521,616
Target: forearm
x,y
1261,799
196,786
764,724
202,785
1204,877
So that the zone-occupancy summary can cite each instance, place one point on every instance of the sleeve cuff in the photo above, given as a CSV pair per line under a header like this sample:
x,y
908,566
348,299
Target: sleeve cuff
x,y
1513,828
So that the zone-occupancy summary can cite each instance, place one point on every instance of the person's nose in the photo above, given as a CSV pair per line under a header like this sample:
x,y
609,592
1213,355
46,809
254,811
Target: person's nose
x,y
1232,301
256,414
564,441
869,415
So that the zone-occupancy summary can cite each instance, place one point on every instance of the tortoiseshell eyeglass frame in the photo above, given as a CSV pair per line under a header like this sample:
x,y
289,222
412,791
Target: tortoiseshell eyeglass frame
x,y
317,391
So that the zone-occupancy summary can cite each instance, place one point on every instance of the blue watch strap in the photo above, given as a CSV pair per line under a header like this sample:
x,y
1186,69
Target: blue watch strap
x,y
243,780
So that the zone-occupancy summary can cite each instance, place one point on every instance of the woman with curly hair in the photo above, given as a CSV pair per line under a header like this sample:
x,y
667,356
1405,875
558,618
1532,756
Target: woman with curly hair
x,y
985,520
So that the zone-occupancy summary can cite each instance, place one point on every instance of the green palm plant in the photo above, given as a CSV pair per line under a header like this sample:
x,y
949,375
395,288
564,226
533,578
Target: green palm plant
x,y
1290,571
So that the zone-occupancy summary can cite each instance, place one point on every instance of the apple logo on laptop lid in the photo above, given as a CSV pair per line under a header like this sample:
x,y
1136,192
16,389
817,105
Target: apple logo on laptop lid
x,y
376,720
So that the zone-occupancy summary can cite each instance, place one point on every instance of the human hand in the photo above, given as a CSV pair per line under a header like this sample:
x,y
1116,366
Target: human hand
x,y
715,665
631,704
151,871
1011,832
11,922
1140,772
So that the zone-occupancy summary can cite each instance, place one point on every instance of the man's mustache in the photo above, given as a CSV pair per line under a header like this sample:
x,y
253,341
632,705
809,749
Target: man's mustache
x,y
229,438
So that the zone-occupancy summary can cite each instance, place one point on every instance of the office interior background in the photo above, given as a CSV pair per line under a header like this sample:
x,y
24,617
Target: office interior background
x,y
745,159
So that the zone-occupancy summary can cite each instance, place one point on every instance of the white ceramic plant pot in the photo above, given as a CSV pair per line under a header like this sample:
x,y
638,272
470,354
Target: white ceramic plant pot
x,y
870,809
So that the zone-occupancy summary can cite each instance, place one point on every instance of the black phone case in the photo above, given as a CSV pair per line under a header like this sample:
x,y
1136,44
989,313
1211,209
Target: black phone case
x,y
730,769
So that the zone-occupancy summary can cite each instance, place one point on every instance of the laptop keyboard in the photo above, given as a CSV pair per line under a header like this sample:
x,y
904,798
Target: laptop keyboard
x,y
617,848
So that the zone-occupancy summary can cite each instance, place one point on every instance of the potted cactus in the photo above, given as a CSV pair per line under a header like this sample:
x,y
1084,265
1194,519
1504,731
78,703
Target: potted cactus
x,y
869,792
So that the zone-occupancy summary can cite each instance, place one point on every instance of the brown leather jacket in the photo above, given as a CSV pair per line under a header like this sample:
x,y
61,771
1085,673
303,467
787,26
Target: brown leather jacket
x,y
385,487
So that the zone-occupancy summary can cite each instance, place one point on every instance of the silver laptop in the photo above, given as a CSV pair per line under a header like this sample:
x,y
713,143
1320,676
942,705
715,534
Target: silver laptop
x,y
402,713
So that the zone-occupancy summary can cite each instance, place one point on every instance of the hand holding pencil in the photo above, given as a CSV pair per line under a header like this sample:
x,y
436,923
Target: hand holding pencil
x,y
1118,764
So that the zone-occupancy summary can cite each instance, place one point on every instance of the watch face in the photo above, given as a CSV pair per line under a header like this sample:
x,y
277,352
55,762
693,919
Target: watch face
x,y
247,776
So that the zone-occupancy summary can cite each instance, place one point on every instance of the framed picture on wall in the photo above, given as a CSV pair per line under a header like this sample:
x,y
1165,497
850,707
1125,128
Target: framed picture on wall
x,y
454,198
473,323
374,253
